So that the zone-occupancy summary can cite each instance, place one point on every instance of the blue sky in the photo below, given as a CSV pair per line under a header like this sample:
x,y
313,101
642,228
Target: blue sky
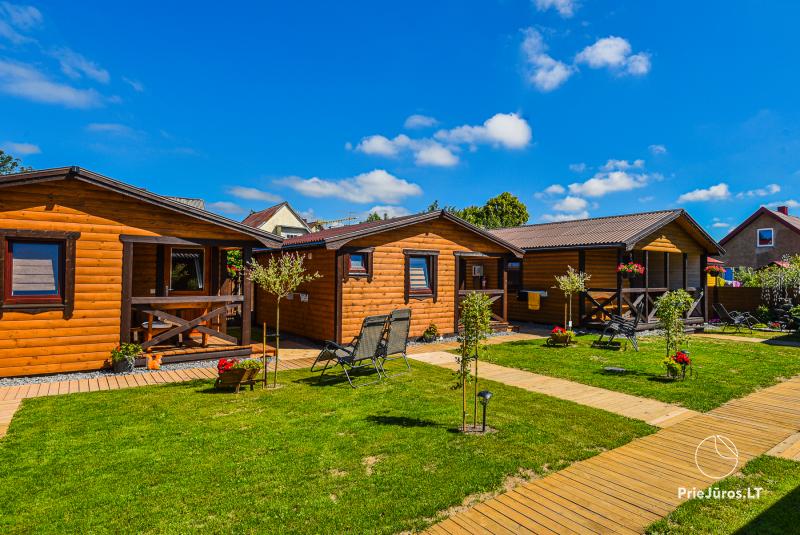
x,y
579,108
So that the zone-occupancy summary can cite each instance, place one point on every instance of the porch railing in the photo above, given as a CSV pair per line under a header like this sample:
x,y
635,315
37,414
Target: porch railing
x,y
600,303
496,296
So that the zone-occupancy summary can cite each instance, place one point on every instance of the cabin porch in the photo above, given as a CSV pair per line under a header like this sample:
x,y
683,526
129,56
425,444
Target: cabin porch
x,y
178,301
631,295
486,273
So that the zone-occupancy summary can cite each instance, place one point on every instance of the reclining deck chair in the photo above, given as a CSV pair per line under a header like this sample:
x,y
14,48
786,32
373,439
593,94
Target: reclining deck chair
x,y
618,326
396,341
734,319
362,352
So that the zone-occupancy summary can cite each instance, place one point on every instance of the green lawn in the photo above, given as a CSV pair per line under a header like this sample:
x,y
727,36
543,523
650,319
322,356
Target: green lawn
x,y
777,511
767,335
724,369
302,459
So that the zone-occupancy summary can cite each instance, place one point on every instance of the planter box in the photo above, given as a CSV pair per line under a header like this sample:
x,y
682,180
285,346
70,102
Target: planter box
x,y
559,339
235,378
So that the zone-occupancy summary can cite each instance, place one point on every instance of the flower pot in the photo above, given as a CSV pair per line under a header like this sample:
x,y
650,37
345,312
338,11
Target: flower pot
x,y
559,339
123,366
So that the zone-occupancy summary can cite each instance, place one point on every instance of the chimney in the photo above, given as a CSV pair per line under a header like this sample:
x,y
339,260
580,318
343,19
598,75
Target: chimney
x,y
784,210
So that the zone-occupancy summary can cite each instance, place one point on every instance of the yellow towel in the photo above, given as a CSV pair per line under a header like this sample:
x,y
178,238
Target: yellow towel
x,y
533,300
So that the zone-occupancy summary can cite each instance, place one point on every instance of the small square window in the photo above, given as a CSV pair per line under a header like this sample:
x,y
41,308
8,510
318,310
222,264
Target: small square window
x,y
36,271
358,264
419,275
765,237
187,270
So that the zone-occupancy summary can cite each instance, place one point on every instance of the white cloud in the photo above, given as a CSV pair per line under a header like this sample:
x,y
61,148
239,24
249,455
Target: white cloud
x,y
226,207
769,189
791,203
565,8
657,149
383,146
721,224
377,185
135,84
508,130
420,121
606,182
252,194
117,129
76,66
614,53
555,189
23,17
21,149
25,81
622,165
719,192
436,155
555,218
646,198
577,167
389,211
545,73
571,204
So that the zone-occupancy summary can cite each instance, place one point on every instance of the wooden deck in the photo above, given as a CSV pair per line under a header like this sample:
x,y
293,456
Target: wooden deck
x,y
626,489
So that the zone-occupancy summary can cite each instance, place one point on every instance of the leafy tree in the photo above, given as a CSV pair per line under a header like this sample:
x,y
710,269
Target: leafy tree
x,y
475,318
282,275
10,165
670,309
373,216
571,283
505,210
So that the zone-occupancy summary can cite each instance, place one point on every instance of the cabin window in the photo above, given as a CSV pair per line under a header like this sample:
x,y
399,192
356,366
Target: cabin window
x,y
357,263
765,237
35,271
421,274
514,269
187,273
38,270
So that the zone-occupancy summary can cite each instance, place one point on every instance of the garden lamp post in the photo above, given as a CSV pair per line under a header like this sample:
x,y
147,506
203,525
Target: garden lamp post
x,y
484,396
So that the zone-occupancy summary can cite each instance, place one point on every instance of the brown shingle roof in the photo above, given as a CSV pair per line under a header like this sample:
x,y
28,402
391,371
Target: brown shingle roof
x,y
256,219
790,221
335,237
621,230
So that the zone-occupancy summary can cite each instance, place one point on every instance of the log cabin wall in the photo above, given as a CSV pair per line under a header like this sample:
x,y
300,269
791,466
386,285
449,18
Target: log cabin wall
x,y
48,342
361,298
313,319
144,268
538,273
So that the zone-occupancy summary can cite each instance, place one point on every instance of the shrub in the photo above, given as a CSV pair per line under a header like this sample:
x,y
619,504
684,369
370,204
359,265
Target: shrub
x,y
763,314
431,333
670,309
248,364
127,352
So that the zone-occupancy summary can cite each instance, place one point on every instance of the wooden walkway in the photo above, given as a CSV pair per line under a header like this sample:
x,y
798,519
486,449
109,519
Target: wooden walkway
x,y
651,411
626,489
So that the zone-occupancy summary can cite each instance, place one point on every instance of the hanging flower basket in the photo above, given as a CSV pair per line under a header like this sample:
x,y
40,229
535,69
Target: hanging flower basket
x,y
630,269
715,271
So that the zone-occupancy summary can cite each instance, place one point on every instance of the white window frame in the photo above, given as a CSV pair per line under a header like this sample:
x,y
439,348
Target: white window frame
x,y
772,241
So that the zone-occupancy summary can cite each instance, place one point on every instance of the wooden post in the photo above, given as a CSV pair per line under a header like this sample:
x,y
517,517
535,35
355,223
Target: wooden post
x,y
685,267
666,271
646,285
247,254
504,279
704,285
127,291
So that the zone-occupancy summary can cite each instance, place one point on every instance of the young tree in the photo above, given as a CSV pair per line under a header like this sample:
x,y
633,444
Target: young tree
x,y
373,216
670,309
571,283
10,165
282,275
475,318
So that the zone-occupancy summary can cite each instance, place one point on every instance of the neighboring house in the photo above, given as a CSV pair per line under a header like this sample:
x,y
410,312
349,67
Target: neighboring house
x,y
763,238
426,262
280,219
85,260
670,245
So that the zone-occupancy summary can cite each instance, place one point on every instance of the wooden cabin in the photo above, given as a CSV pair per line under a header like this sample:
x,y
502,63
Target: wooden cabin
x,y
670,245
88,262
426,262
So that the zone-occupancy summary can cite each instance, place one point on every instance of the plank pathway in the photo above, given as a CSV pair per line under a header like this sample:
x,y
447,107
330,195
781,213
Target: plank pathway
x,y
626,489
651,411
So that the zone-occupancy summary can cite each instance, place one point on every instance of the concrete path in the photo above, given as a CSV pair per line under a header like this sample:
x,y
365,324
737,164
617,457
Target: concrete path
x,y
651,411
626,489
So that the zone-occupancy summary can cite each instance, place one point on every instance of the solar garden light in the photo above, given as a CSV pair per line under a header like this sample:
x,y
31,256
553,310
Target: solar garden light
x,y
484,396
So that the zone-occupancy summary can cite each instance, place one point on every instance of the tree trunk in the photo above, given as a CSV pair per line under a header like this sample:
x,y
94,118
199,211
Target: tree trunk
x,y
463,400
569,303
264,351
475,394
277,341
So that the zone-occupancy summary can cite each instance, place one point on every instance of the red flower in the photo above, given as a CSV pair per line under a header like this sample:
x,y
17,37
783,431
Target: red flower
x,y
558,330
225,364
682,358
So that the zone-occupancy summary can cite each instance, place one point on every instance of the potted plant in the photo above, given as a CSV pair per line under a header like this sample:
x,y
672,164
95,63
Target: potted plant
x,y
630,269
431,333
678,363
233,373
124,356
560,337
717,272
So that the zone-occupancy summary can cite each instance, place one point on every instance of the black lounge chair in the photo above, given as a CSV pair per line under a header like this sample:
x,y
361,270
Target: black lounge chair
x,y
618,326
395,343
734,319
362,352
